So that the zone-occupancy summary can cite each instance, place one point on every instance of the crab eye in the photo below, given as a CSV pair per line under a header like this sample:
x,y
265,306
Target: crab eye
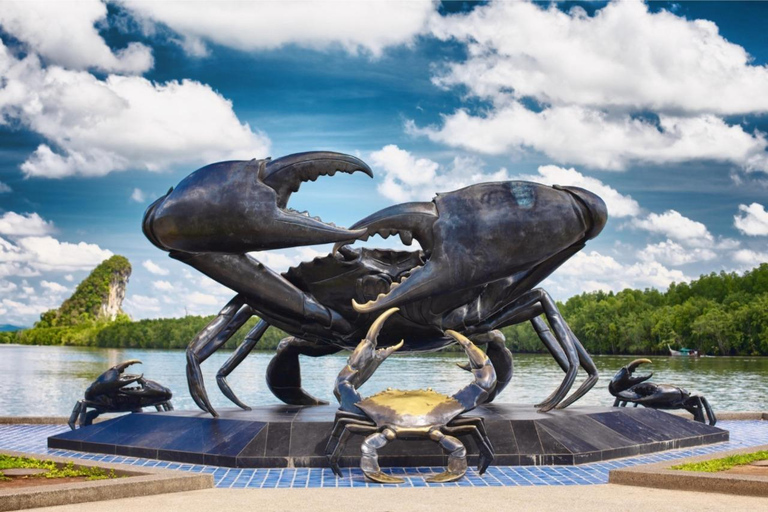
x,y
369,287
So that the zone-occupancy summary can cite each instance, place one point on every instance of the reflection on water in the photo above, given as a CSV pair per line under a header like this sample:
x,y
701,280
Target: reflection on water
x,y
41,380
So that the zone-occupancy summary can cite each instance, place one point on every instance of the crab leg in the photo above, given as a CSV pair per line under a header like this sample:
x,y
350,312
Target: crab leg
x,y
511,314
237,357
369,462
284,371
457,457
338,437
483,446
210,339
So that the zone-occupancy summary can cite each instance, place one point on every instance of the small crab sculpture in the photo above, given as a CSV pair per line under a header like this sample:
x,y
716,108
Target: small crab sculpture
x,y
636,390
115,391
416,414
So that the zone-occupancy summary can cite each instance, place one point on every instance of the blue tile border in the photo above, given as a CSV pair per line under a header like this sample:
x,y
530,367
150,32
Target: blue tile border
x,y
33,439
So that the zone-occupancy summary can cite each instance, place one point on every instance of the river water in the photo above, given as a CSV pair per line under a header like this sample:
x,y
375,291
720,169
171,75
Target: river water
x,y
48,380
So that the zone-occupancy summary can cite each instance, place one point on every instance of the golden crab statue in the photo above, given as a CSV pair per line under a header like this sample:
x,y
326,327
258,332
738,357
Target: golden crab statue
x,y
412,414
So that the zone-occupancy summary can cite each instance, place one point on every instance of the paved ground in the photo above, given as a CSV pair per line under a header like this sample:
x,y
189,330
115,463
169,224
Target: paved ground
x,y
520,499
32,439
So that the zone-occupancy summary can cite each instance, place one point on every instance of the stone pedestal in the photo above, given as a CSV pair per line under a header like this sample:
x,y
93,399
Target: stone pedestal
x,y
295,436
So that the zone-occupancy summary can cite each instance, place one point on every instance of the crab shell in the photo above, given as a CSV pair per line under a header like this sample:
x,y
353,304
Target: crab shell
x,y
412,412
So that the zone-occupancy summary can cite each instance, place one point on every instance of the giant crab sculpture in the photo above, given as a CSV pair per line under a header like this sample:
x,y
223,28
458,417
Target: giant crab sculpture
x,y
484,248
117,391
630,389
414,414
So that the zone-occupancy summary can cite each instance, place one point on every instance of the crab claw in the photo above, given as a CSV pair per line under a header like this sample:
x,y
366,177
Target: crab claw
x,y
241,206
112,380
486,232
482,369
624,380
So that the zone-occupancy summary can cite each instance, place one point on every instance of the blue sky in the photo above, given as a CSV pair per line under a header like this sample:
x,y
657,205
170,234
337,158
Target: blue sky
x,y
659,108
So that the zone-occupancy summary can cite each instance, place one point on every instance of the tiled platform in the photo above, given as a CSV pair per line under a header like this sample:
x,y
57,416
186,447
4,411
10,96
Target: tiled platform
x,y
32,439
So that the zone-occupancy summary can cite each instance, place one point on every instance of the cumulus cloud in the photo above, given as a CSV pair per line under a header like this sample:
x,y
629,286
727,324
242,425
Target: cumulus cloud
x,y
677,227
138,195
408,178
592,271
142,303
749,258
753,220
154,268
370,26
47,254
64,33
601,105
671,253
24,224
4,188
598,139
163,286
121,122
53,287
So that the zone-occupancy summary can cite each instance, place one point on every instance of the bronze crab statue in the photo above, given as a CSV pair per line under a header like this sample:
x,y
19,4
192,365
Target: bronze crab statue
x,y
629,389
484,249
413,414
117,391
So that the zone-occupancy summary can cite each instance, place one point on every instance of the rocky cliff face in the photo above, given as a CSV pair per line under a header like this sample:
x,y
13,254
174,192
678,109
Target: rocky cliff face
x,y
112,306
99,297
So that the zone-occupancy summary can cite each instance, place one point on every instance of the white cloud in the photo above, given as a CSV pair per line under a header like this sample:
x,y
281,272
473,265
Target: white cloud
x,y
154,268
142,303
677,227
47,254
53,287
138,195
371,25
578,135
64,33
69,278
748,258
753,221
4,188
281,260
7,286
671,253
14,224
203,299
163,286
407,178
589,74
619,205
592,271
119,123
518,49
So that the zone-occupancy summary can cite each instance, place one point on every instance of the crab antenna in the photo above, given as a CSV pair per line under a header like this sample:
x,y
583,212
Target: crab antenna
x,y
376,326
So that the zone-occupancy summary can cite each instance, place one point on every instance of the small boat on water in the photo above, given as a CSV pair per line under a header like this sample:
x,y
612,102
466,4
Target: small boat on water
x,y
685,352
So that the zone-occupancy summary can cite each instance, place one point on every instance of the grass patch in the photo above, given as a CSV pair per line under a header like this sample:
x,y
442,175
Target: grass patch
x,y
54,470
724,464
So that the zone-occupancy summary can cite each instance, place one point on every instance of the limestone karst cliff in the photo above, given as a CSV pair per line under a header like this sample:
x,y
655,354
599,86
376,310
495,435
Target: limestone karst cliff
x,y
99,297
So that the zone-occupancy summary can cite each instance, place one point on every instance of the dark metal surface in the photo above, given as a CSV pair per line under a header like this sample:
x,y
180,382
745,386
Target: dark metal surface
x,y
116,391
410,414
484,249
637,390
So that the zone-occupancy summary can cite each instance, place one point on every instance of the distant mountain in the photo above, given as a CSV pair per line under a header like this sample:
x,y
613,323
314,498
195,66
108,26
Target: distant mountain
x,y
99,297
10,328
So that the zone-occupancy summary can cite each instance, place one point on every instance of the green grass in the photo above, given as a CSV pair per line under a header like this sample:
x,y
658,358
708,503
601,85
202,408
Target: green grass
x,y
726,463
54,470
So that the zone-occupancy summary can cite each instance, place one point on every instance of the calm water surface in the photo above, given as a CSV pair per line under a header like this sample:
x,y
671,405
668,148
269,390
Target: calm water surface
x,y
41,380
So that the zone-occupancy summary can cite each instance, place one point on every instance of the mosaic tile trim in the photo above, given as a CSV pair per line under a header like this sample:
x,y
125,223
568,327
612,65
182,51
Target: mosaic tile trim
x,y
743,434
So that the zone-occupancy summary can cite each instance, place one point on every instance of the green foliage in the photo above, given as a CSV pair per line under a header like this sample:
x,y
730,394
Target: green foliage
x,y
54,470
724,464
719,314
84,306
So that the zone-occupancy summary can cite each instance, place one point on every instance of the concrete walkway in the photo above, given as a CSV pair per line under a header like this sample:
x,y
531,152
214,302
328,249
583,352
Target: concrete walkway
x,y
591,498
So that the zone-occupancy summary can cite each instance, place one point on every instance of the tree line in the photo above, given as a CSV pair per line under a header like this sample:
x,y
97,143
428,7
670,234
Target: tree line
x,y
717,314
